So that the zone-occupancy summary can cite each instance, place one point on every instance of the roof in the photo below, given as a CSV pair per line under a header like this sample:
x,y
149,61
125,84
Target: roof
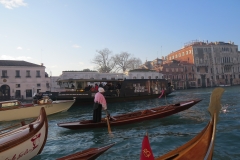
x,y
18,63
142,70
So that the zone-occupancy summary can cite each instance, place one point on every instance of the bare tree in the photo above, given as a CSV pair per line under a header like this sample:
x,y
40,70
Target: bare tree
x,y
124,62
135,63
104,62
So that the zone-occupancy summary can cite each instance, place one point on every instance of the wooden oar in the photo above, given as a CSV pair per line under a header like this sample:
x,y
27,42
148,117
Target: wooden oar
x,y
108,123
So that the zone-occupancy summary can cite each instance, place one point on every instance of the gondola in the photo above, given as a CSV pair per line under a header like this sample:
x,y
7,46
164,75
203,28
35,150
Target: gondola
x,y
201,146
138,116
26,141
89,154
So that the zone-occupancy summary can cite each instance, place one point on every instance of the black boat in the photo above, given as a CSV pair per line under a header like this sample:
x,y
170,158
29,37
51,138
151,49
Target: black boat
x,y
115,90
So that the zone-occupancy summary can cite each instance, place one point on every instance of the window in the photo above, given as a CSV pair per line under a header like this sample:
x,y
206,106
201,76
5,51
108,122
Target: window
x,y
18,94
28,93
38,74
28,74
142,77
18,85
17,74
39,85
47,85
156,77
4,74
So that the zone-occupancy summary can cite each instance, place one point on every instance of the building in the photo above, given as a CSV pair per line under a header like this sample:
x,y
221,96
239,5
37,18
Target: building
x,y
144,74
180,74
216,63
20,79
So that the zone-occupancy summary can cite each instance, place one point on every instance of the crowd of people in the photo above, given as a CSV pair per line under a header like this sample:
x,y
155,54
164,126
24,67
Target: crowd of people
x,y
107,86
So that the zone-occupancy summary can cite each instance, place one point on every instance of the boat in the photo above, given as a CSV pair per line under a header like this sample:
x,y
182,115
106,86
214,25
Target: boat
x,y
115,90
224,85
133,117
26,141
89,154
15,110
202,145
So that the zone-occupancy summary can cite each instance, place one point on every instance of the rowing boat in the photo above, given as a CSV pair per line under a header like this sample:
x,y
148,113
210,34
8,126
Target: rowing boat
x,y
26,141
133,117
89,154
15,110
202,145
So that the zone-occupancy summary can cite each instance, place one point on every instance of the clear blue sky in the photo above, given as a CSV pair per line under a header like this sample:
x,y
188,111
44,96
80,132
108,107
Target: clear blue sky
x,y
65,34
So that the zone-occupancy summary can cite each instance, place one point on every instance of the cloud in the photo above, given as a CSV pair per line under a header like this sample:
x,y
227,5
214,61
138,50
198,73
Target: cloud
x,y
81,63
24,58
19,48
75,46
10,4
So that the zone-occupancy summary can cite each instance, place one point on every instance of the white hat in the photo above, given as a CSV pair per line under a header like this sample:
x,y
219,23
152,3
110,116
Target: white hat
x,y
100,89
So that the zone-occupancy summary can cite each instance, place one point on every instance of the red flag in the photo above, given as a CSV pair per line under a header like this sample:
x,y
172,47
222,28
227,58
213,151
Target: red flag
x,y
146,152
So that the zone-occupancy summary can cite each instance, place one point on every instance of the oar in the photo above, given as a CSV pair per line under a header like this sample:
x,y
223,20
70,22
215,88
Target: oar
x,y
108,123
215,101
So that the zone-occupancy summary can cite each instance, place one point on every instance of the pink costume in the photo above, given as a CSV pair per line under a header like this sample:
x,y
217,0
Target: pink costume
x,y
100,99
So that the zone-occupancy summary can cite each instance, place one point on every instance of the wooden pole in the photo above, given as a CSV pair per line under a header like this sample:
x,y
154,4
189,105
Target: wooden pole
x,y
108,123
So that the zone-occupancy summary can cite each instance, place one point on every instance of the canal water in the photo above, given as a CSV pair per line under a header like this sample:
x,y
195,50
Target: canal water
x,y
164,134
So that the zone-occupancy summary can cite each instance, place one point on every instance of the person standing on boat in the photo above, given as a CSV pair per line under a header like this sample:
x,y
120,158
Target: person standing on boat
x,y
99,104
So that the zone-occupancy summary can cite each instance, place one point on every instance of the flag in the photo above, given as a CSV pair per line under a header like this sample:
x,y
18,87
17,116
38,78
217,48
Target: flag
x,y
146,152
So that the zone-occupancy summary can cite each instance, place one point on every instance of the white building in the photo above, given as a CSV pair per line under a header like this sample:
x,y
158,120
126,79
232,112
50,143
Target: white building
x,y
144,74
21,79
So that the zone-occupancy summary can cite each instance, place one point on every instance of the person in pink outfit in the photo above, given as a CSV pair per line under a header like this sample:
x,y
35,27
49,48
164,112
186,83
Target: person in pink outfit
x,y
99,104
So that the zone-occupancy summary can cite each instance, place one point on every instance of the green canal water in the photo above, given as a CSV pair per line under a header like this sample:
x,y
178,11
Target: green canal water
x,y
164,134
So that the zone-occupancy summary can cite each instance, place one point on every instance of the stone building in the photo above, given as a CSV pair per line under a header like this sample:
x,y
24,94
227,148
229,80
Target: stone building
x,y
216,63
21,79
180,74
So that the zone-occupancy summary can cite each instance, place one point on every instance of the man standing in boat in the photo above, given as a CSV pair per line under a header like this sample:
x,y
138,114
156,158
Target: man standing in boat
x,y
99,104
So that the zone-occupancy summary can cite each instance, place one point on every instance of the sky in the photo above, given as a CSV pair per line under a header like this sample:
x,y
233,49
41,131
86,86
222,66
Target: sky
x,y
65,35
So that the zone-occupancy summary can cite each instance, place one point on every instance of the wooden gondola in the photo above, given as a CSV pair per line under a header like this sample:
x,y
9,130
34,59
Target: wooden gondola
x,y
89,154
201,146
26,141
138,116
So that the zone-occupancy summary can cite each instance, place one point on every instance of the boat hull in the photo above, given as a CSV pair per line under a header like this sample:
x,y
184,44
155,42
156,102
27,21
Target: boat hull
x,y
134,117
24,143
32,111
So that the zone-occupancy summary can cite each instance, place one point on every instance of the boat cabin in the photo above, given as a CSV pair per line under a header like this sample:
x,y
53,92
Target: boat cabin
x,y
7,104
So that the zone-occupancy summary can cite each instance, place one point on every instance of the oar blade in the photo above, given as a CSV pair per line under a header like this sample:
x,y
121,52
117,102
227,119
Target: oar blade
x,y
215,101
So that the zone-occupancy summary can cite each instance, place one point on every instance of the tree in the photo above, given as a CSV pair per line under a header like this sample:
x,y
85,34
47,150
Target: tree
x,y
135,63
124,62
104,62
